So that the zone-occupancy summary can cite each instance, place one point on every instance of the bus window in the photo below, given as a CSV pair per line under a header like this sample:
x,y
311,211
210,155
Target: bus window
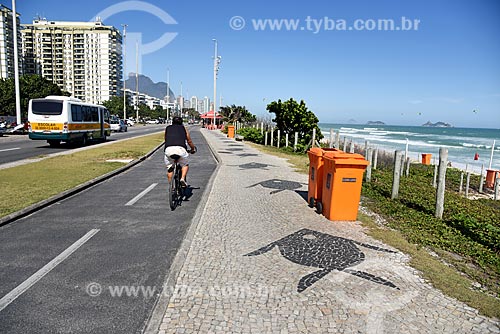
x,y
76,113
46,107
87,115
106,115
94,114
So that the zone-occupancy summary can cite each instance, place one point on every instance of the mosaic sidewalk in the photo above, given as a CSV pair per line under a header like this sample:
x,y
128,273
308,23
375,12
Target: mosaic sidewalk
x,y
262,261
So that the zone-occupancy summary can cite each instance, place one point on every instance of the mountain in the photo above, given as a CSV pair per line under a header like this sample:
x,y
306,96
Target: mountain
x,y
147,86
437,125
375,123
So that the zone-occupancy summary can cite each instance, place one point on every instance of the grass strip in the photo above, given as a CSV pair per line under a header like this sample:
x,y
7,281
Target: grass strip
x,y
28,184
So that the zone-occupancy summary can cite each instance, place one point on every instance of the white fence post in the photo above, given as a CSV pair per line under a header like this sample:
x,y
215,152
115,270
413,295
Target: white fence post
x,y
481,180
443,164
369,167
397,174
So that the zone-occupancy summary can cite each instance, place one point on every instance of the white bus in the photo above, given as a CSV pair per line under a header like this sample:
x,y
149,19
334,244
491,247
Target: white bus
x,y
62,118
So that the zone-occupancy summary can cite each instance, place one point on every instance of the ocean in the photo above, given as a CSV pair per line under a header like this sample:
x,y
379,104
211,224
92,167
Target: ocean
x,y
462,143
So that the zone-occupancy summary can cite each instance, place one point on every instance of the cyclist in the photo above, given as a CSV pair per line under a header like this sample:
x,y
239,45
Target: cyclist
x,y
176,136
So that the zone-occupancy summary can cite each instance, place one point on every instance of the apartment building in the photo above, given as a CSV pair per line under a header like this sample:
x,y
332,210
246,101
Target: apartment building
x,y
83,58
7,43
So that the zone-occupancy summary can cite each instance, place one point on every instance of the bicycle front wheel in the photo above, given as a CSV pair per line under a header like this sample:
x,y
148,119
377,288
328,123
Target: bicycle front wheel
x,y
172,191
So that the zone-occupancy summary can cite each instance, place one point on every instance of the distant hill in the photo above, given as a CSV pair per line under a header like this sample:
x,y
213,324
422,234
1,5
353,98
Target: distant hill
x,y
375,123
147,86
437,125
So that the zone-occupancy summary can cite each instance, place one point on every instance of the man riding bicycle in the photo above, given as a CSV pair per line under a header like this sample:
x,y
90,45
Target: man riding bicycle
x,y
176,136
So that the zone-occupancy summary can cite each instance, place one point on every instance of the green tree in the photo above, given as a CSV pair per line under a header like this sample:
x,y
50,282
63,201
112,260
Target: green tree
x,y
191,112
294,117
235,113
144,111
115,106
30,87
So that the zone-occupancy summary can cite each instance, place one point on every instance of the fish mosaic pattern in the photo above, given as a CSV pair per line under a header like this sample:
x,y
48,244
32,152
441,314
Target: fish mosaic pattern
x,y
279,185
326,252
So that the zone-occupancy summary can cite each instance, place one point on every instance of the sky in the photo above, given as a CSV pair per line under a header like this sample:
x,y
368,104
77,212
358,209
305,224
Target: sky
x,y
441,62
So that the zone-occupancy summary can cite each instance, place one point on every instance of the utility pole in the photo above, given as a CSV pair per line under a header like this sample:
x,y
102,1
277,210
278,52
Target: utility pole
x,y
168,93
124,70
216,69
16,64
136,81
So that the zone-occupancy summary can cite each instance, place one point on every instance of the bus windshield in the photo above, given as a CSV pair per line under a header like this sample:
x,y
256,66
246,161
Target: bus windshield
x,y
46,107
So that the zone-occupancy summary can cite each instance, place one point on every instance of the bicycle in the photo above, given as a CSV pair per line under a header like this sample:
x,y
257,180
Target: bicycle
x,y
175,190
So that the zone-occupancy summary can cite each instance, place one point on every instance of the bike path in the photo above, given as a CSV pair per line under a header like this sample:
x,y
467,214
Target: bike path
x,y
131,245
262,261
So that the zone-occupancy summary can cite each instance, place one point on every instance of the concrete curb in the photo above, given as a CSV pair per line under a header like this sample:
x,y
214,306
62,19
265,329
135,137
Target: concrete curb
x,y
70,192
152,325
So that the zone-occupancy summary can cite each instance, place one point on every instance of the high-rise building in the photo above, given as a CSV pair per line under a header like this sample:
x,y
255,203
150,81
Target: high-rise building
x,y
206,104
7,43
83,58
200,107
194,103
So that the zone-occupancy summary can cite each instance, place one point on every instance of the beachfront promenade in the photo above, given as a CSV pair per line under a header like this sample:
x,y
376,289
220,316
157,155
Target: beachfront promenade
x,y
261,261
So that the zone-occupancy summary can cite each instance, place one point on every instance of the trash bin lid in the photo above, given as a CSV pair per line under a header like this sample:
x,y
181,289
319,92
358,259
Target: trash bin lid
x,y
342,155
316,151
350,162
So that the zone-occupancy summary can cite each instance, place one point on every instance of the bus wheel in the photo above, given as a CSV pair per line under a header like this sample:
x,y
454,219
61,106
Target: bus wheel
x,y
84,140
54,142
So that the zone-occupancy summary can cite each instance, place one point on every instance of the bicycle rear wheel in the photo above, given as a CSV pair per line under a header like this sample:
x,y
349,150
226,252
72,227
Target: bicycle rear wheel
x,y
173,189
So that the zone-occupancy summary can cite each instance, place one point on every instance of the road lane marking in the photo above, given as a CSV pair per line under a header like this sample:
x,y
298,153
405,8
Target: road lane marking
x,y
138,197
20,289
10,149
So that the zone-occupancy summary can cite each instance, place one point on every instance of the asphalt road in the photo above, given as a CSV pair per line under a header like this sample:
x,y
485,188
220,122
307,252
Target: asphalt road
x,y
126,246
19,147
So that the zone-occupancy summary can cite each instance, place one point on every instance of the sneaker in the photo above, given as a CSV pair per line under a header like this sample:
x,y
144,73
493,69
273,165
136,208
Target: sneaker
x,y
183,183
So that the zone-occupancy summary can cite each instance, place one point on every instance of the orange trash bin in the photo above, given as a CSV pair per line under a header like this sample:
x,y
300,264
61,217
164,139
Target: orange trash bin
x,y
491,176
230,131
342,181
315,183
426,158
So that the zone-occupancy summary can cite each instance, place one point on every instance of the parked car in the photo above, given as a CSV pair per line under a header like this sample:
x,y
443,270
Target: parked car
x,y
153,121
129,122
118,125
2,131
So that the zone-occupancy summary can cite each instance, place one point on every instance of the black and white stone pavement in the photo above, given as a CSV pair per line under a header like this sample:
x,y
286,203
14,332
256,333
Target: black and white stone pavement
x,y
262,261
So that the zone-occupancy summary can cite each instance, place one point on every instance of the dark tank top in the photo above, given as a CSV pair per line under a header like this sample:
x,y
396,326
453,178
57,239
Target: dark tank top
x,y
176,136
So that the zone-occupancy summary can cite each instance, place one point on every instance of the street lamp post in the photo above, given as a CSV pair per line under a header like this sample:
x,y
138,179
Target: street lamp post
x,y
16,64
216,69
124,70
136,81
168,93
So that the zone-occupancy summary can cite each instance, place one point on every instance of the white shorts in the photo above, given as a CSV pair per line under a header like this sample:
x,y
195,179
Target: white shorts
x,y
176,150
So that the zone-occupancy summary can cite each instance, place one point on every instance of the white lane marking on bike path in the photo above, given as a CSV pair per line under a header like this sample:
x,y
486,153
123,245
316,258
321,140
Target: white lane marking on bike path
x,y
20,289
10,149
138,197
